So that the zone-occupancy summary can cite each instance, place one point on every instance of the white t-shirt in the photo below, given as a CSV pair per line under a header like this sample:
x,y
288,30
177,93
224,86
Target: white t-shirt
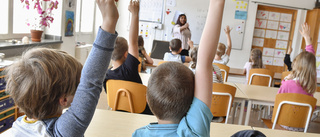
x,y
224,60
182,35
174,57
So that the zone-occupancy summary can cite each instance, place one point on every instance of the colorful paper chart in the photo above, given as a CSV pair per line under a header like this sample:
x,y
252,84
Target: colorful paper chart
x,y
285,26
267,60
272,25
279,53
286,17
278,62
258,42
261,23
283,35
281,44
268,52
274,16
259,33
271,34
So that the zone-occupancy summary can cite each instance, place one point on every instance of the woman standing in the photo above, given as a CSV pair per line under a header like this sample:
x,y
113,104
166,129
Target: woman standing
x,y
181,31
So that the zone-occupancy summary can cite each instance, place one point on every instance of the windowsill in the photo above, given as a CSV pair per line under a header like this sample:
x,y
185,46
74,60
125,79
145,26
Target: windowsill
x,y
8,45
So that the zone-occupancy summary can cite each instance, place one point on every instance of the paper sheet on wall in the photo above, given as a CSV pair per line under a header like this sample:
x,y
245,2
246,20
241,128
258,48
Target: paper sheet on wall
x,y
268,52
279,53
242,15
261,14
272,25
267,60
318,50
281,44
259,33
258,42
271,34
261,23
274,16
283,35
151,10
286,17
284,26
278,62
171,3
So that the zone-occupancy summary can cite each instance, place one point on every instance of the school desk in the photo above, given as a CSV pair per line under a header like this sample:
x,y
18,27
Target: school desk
x,y
262,95
284,133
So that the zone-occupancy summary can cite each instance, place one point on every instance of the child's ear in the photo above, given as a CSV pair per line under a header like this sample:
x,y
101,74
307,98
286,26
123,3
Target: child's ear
x,y
180,50
63,101
126,54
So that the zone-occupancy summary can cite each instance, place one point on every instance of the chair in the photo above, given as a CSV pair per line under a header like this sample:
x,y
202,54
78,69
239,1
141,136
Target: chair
x,y
126,95
224,71
262,77
222,99
293,110
161,62
284,74
159,48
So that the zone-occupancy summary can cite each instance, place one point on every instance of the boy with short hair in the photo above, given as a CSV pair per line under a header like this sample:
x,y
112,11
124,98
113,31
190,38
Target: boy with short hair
x,y
222,56
45,81
175,47
181,101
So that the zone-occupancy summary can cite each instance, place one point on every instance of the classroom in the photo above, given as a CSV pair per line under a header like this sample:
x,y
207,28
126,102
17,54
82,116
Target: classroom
x,y
132,68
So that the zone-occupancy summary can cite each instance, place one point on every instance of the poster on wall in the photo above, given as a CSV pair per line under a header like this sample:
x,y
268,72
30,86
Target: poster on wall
x,y
268,52
259,33
261,14
286,17
271,34
69,23
279,53
281,44
283,35
258,42
278,62
274,16
267,60
273,25
261,23
284,26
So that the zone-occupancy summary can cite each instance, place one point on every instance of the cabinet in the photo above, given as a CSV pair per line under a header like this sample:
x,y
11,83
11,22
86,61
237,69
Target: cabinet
x,y
8,110
82,52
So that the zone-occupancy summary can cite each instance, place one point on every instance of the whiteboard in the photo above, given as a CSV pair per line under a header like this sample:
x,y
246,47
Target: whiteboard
x,y
151,10
196,12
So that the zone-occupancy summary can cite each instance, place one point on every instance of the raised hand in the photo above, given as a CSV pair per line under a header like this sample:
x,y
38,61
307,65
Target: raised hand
x,y
227,30
305,32
134,7
109,13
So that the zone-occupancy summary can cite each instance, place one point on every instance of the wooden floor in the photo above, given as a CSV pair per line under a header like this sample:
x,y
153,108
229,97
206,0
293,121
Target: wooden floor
x,y
314,126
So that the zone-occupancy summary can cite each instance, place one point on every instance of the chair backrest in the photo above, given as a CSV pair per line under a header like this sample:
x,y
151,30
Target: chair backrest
x,y
162,62
126,95
222,99
291,109
140,65
261,77
284,74
224,71
159,48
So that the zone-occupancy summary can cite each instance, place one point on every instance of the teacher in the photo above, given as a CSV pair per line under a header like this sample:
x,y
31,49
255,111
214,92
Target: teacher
x,y
181,31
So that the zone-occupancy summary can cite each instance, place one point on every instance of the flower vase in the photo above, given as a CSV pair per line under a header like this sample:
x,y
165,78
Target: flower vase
x,y
36,35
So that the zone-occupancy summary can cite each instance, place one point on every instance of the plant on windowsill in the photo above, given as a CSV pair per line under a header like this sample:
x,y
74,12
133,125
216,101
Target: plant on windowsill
x,y
42,18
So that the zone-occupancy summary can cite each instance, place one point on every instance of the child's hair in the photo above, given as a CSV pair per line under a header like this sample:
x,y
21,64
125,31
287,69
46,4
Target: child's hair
x,y
140,41
221,50
175,45
256,58
194,55
304,68
170,91
120,48
40,79
178,20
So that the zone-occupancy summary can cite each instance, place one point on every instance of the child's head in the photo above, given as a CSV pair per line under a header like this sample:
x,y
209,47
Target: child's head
x,y
221,50
304,68
39,81
256,58
140,41
120,49
194,55
175,45
170,91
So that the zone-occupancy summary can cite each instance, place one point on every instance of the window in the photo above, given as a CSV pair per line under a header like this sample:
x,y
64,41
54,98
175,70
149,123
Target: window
x,y
4,9
85,18
20,16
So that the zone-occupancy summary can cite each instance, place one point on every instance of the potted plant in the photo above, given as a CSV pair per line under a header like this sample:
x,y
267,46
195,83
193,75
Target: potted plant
x,y
42,16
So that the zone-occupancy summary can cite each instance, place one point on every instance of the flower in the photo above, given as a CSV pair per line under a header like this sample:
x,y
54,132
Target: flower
x,y
43,17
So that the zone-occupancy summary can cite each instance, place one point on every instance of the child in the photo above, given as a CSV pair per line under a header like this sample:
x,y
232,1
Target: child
x,y
125,60
175,47
143,54
254,62
216,76
222,57
302,79
45,81
181,100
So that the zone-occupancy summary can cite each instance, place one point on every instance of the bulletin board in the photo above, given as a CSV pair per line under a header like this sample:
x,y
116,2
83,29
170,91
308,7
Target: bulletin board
x,y
273,34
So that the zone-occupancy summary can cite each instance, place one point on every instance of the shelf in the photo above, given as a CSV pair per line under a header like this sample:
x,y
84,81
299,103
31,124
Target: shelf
x,y
2,91
4,97
2,76
14,107
7,117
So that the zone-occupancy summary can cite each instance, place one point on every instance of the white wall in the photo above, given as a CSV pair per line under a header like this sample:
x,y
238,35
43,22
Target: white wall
x,y
238,57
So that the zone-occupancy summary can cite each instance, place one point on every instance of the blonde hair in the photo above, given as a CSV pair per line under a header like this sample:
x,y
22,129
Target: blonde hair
x,y
40,79
256,58
304,68
221,50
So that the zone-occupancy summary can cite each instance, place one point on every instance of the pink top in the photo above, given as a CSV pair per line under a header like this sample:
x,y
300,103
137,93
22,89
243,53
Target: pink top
x,y
293,86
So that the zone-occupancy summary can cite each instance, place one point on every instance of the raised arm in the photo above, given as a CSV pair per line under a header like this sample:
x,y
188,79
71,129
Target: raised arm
x,y
305,32
148,59
207,50
229,43
134,27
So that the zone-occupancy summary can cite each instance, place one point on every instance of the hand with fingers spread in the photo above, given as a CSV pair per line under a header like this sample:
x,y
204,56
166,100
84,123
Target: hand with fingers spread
x,y
109,13
227,30
134,7
305,32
